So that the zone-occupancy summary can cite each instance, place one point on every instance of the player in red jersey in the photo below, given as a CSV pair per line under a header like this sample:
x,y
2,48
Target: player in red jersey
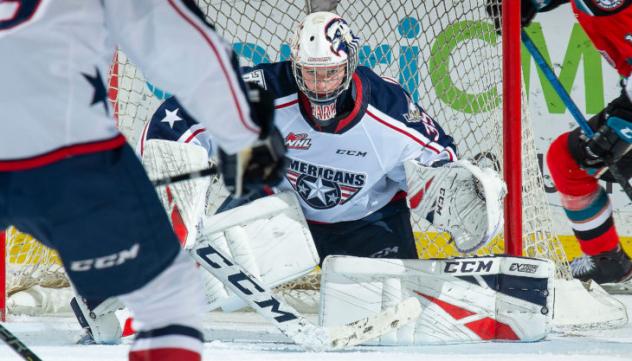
x,y
576,162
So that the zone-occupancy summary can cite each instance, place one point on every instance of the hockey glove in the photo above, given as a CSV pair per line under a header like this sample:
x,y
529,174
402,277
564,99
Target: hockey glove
x,y
528,9
613,138
459,198
494,10
263,163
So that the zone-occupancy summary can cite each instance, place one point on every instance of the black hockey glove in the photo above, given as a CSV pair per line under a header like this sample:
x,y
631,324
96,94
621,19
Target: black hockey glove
x,y
263,163
613,138
494,10
528,9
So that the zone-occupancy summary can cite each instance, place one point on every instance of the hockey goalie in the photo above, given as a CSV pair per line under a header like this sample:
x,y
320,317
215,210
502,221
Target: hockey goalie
x,y
362,156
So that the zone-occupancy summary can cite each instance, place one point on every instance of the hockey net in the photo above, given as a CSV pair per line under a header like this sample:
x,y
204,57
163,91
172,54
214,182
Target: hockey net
x,y
446,54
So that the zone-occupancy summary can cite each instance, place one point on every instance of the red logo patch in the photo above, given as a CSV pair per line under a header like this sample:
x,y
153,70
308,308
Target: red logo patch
x,y
608,5
324,112
298,141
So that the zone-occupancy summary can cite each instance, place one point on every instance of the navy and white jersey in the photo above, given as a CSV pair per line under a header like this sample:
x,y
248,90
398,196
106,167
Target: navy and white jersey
x,y
56,56
172,122
352,169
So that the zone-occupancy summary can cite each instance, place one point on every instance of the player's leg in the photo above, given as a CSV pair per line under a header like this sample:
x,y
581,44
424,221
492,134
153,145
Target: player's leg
x,y
386,233
101,214
589,210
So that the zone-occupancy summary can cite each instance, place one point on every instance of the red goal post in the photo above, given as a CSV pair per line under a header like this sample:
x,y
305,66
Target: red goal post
x,y
512,126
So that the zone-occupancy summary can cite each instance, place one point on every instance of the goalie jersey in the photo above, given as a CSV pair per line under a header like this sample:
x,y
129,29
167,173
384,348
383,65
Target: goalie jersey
x,y
344,172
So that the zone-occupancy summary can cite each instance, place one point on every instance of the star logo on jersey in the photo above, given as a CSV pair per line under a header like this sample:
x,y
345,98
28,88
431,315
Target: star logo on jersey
x,y
171,117
323,187
298,141
100,93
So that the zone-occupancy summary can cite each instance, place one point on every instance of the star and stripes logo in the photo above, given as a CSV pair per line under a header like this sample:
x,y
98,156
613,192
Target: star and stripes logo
x,y
323,187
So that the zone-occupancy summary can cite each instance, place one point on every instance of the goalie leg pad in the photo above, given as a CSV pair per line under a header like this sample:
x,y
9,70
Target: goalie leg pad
x,y
269,237
463,299
98,319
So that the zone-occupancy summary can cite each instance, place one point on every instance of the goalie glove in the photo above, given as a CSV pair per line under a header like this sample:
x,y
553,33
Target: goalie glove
x,y
263,163
458,198
613,138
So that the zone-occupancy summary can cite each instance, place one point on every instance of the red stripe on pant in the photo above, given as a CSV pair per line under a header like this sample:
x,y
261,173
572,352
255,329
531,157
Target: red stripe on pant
x,y
571,180
164,354
604,243
568,177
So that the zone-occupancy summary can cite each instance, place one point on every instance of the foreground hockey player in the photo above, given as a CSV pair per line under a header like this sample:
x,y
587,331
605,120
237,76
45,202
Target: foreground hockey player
x,y
67,175
576,163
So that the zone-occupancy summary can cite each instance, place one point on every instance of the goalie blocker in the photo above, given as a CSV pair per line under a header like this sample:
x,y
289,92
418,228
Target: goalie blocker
x,y
463,299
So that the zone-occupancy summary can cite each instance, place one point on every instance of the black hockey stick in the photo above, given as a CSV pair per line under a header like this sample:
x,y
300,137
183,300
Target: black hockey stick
x,y
185,176
17,345
572,108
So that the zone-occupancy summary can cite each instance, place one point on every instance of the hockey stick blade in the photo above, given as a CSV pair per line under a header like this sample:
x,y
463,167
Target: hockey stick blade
x,y
185,176
17,345
289,321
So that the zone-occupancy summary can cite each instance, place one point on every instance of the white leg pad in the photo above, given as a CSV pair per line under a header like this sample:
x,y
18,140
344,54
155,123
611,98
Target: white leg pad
x,y
269,237
463,299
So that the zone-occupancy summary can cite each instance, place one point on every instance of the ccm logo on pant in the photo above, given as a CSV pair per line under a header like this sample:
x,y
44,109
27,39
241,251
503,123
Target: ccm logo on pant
x,y
115,259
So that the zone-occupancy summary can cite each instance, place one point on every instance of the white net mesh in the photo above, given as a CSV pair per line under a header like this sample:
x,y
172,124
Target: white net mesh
x,y
445,53
29,263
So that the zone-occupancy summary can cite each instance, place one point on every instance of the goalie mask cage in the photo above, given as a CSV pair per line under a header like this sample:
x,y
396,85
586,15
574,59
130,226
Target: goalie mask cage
x,y
445,53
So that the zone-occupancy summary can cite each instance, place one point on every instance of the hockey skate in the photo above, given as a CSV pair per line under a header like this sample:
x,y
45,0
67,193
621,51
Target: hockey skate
x,y
608,267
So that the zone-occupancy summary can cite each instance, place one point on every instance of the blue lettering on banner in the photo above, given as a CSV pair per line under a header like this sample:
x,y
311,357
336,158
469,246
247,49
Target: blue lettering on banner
x,y
382,54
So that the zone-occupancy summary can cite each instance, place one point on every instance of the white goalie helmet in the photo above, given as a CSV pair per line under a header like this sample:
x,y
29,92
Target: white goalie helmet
x,y
324,56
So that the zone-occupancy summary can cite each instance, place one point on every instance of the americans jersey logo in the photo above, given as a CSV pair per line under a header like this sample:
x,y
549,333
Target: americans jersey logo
x,y
323,187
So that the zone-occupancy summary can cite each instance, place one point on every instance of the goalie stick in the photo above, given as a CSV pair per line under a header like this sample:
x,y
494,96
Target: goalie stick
x,y
289,321
17,345
185,176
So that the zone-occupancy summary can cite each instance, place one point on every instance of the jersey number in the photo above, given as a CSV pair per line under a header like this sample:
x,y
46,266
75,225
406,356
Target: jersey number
x,y
16,12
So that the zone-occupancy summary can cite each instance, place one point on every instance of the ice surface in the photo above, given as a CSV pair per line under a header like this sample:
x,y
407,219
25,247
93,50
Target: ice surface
x,y
245,336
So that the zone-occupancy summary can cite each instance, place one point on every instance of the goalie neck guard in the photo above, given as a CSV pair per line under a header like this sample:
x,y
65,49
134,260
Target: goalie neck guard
x,y
324,58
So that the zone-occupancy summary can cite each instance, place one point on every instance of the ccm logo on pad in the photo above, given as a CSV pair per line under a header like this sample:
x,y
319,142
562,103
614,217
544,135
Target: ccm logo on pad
x,y
468,266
